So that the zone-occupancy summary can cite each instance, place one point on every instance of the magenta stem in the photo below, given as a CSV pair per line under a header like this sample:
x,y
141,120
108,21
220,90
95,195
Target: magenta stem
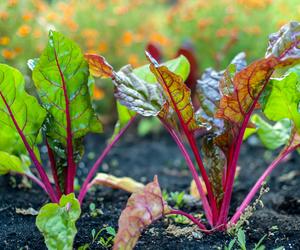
x,y
191,218
210,194
258,185
53,169
36,180
32,155
71,172
85,187
235,150
193,170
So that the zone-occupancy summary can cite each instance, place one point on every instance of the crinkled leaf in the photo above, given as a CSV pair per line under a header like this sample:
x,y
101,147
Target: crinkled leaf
x,y
272,136
143,207
99,67
282,99
285,44
241,90
178,95
124,183
61,78
137,94
57,222
180,66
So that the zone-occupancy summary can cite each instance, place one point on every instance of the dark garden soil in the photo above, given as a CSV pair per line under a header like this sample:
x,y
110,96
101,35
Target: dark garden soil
x,y
142,159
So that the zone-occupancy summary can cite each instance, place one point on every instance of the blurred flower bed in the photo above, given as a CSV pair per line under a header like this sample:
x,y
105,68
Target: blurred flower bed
x,y
121,29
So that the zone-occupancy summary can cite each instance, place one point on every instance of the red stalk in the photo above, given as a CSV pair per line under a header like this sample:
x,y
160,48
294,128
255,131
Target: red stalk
x,y
71,172
53,169
193,145
258,184
85,187
32,155
191,218
36,180
235,149
193,170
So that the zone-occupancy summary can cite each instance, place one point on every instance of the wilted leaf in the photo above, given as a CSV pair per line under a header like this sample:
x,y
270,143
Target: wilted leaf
x,y
141,210
28,211
57,222
124,183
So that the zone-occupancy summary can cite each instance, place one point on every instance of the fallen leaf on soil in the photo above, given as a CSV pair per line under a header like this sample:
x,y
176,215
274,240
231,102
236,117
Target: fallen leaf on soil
x,y
125,183
28,211
143,207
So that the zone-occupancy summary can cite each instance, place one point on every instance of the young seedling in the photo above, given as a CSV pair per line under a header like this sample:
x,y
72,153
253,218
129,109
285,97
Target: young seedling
x,y
228,99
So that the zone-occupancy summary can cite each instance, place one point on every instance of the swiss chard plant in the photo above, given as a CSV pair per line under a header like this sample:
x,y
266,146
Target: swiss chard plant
x,y
228,100
60,115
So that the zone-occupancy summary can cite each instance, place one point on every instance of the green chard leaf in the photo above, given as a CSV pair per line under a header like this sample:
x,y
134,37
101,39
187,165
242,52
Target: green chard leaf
x,y
16,105
271,136
57,222
282,98
62,79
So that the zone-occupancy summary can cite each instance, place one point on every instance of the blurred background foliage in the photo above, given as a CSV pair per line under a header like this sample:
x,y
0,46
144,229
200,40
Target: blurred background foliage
x,y
120,30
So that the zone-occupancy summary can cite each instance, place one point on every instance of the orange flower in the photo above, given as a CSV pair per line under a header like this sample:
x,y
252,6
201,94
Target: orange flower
x,y
4,40
27,16
102,48
127,38
254,30
8,54
98,93
37,33
3,15
12,3
159,38
24,30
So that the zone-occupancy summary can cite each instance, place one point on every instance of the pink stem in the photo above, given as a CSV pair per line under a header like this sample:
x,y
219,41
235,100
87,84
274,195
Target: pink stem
x,y
36,180
193,170
258,185
210,194
191,218
53,169
235,149
32,155
94,169
71,172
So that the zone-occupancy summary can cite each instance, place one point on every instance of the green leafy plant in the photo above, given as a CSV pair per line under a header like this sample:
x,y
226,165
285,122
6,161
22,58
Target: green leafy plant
x,y
227,101
60,117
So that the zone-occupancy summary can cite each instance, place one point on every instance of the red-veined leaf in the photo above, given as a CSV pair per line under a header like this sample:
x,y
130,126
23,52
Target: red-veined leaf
x,y
141,210
178,95
99,67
